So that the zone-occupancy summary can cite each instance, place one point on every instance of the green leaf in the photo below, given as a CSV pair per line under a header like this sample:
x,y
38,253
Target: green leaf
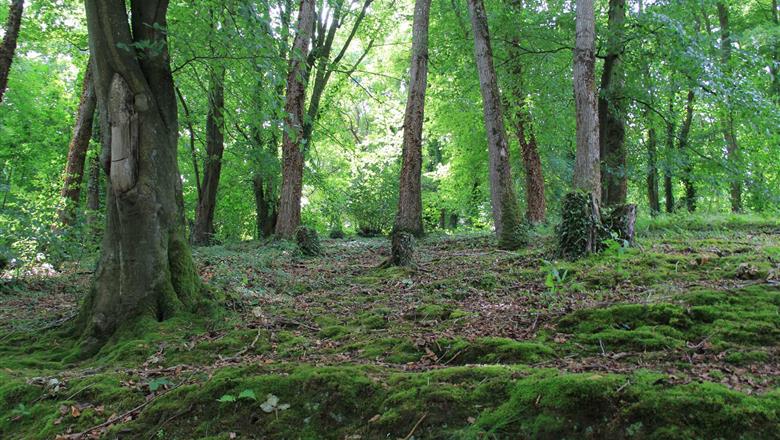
x,y
227,398
155,384
247,394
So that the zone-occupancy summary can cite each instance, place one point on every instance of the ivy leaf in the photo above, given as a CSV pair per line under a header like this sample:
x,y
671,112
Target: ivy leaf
x,y
227,398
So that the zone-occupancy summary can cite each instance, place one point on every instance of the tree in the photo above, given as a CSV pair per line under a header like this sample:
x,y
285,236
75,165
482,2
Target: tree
x,y
668,184
727,117
292,140
587,175
506,213
77,151
12,26
203,230
581,232
409,216
145,267
614,179
536,206
682,147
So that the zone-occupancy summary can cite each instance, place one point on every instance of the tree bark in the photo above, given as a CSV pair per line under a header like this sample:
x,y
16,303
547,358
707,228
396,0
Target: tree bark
x,y
536,207
506,212
145,268
409,215
203,231
93,190
587,173
77,151
612,133
682,146
727,118
265,206
292,154
12,26
652,172
668,185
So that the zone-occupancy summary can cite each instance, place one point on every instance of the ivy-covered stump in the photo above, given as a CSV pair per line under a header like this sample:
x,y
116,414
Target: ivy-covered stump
x,y
308,241
581,231
621,222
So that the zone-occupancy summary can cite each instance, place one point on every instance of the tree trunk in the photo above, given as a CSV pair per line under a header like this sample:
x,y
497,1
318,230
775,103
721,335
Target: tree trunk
x,y
682,146
587,173
611,113
8,47
668,185
292,154
536,209
264,206
506,212
727,119
652,172
93,190
409,216
77,151
203,231
145,268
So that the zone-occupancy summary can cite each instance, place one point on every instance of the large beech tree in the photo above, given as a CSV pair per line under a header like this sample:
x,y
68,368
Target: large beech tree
x,y
8,47
506,213
409,216
145,267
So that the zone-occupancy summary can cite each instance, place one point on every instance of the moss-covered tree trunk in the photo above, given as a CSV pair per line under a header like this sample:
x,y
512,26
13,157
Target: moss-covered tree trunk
x,y
668,184
8,47
506,212
587,172
77,151
652,172
203,230
292,149
145,267
409,215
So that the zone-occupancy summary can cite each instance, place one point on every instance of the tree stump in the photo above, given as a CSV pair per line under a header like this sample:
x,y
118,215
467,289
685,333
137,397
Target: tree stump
x,y
308,241
621,223
581,231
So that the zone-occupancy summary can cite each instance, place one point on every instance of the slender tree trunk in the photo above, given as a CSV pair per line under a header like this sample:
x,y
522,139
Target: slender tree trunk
x,y
670,153
612,134
409,215
727,119
264,206
506,212
203,231
93,189
682,146
292,154
12,26
77,151
652,172
536,209
145,268
587,174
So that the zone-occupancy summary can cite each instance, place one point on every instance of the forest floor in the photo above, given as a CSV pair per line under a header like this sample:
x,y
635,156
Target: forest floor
x,y
678,337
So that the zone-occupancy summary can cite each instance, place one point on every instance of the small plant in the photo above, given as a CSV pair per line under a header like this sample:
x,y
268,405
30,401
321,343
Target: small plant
x,y
555,278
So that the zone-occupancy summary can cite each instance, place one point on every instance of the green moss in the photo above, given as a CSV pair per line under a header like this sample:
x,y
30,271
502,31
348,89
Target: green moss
x,y
491,350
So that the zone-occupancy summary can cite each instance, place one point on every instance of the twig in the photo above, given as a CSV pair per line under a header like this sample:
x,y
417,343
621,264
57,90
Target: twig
x,y
414,428
158,427
114,419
